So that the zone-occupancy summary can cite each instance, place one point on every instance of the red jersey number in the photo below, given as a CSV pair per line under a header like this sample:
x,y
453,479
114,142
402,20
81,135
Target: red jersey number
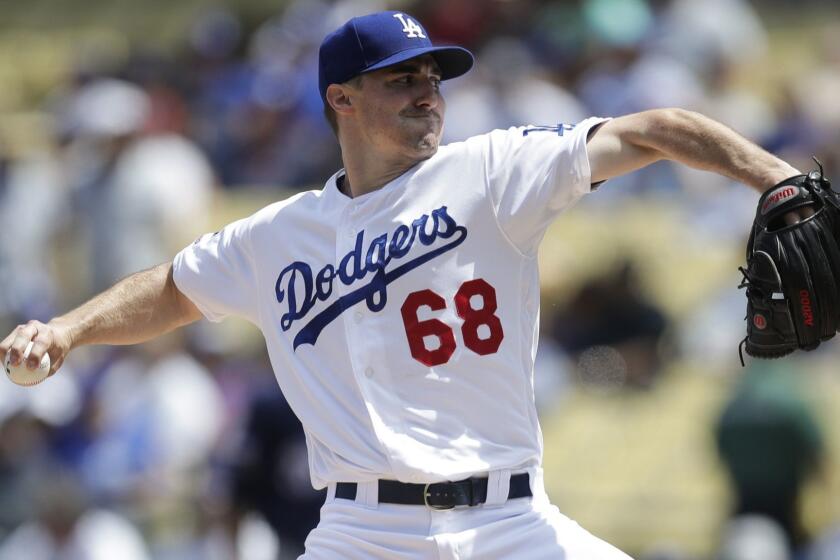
x,y
417,330
481,341
475,318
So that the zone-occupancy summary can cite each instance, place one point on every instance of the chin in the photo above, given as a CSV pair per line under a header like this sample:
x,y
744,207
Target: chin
x,y
429,144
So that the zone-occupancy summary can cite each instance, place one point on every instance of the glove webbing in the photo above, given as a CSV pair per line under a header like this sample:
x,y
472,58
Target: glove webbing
x,y
746,282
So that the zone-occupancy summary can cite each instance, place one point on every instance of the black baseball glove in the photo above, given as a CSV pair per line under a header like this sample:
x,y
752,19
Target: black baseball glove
x,y
793,271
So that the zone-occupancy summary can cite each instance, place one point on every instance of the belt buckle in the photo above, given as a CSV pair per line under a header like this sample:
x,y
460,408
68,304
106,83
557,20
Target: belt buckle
x,y
427,494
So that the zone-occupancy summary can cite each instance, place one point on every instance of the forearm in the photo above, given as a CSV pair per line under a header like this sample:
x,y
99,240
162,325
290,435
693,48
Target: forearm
x,y
136,309
692,139
703,143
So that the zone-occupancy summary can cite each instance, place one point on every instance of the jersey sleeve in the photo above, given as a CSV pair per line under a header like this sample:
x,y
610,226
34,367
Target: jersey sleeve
x,y
534,173
218,273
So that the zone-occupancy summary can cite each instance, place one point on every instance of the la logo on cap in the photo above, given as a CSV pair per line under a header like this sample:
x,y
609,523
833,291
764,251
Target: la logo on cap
x,y
410,27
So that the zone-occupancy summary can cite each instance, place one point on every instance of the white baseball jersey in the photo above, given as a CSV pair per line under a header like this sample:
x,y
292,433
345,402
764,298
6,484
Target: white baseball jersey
x,y
402,324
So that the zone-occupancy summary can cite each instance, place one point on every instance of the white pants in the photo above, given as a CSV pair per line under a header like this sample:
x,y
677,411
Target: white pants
x,y
519,529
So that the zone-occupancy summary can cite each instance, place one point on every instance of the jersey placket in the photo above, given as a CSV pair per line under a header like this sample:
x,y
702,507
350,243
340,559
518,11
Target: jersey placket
x,y
366,357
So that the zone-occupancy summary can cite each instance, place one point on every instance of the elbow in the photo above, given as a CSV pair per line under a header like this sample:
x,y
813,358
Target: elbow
x,y
663,129
654,132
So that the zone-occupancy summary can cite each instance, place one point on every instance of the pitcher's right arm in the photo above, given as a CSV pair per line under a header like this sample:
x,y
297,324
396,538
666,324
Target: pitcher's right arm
x,y
136,309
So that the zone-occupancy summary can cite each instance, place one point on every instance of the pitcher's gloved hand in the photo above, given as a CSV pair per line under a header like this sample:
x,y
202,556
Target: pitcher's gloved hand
x,y
792,275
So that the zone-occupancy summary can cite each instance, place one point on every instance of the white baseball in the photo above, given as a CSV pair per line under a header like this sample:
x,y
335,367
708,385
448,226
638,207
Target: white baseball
x,y
21,375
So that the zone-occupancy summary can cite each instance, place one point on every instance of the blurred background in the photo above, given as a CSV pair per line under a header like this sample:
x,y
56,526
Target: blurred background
x,y
127,129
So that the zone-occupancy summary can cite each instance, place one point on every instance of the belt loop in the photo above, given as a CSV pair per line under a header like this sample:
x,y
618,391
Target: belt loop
x,y
498,486
367,494
330,492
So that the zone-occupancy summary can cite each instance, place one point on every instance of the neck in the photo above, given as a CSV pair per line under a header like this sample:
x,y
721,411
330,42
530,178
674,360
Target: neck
x,y
368,171
357,182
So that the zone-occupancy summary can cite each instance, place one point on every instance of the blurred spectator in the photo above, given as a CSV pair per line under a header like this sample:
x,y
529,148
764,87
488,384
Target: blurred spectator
x,y
249,112
67,528
771,444
271,475
155,416
613,330
702,33
161,193
23,446
140,196
33,203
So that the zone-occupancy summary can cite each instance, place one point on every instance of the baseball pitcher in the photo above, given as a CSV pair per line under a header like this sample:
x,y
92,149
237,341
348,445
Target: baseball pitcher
x,y
400,302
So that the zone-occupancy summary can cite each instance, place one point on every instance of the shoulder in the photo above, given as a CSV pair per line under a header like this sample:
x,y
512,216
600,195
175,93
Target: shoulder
x,y
305,201
503,137
523,133
268,219
474,146
302,204
478,141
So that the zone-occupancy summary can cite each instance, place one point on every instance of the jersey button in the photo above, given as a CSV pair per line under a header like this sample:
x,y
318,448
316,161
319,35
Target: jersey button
x,y
369,372
358,316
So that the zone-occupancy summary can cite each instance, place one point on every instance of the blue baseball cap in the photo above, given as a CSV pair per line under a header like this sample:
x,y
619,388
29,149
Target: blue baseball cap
x,y
378,40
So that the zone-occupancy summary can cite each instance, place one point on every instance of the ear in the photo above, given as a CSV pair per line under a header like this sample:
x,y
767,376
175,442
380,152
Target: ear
x,y
339,98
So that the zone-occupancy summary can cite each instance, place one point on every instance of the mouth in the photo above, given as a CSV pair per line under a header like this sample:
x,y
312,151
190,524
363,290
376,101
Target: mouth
x,y
426,116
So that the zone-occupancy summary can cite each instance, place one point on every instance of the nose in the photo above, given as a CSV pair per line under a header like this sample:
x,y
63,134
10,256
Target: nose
x,y
428,95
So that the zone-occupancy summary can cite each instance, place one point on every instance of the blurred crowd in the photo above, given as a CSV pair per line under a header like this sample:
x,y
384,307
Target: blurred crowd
x,y
185,448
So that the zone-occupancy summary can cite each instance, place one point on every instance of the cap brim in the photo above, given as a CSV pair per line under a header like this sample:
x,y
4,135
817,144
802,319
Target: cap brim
x,y
453,61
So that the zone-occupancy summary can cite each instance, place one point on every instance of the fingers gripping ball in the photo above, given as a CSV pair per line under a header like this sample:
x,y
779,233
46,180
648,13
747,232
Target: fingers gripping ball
x,y
21,375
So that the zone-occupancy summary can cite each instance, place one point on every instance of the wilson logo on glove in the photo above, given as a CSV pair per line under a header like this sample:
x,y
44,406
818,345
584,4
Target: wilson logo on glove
x,y
760,322
778,197
807,312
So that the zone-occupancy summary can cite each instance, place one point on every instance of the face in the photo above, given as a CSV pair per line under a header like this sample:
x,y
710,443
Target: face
x,y
399,109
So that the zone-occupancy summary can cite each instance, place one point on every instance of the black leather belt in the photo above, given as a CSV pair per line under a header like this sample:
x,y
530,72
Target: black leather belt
x,y
439,495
